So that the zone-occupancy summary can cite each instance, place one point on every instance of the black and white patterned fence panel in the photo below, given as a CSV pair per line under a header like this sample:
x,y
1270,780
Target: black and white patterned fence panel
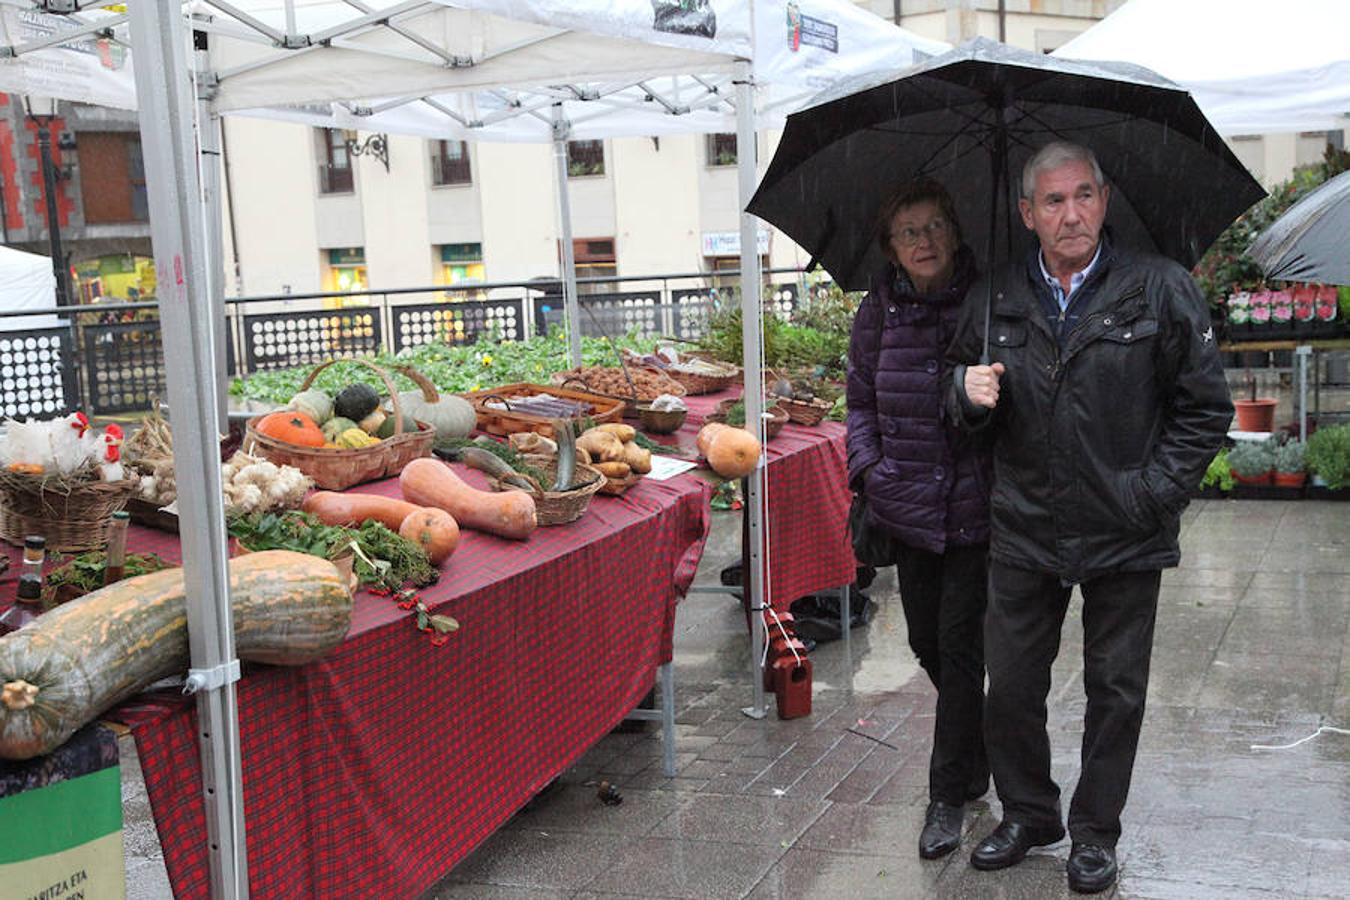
x,y
124,366
690,312
458,322
39,374
605,314
781,300
281,340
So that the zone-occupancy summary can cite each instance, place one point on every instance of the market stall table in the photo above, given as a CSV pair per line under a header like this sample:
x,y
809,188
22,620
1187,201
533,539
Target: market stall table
x,y
374,771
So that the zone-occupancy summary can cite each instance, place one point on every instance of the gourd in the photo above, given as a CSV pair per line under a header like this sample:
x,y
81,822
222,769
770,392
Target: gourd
x,y
434,530
72,663
333,508
452,417
509,514
733,452
314,403
356,439
335,426
361,404
292,427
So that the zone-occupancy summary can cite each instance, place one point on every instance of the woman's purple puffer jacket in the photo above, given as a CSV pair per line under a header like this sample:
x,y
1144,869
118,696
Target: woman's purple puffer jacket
x,y
926,481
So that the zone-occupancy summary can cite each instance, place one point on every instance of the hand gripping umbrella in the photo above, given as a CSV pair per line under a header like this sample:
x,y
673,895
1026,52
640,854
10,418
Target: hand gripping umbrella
x,y
1311,241
970,119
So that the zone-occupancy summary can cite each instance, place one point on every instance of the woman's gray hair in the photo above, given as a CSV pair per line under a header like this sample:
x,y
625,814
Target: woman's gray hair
x,y
1054,155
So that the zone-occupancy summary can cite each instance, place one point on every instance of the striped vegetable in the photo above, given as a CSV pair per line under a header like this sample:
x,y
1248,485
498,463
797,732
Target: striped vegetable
x,y
83,657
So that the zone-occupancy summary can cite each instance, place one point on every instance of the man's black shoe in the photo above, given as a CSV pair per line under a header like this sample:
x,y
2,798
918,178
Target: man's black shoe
x,y
1091,868
941,830
1009,843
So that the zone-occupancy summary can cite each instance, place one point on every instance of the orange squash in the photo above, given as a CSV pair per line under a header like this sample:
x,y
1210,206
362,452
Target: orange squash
x,y
292,427
334,508
430,482
434,530
733,452
72,663
706,433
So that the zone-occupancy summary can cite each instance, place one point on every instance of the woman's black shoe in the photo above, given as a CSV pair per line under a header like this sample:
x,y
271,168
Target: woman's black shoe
x,y
941,830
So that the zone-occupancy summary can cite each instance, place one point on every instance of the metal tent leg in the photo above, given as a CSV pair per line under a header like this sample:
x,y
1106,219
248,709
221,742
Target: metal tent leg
x,y
665,715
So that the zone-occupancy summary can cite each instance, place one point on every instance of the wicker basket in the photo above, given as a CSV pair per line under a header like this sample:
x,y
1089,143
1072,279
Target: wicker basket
x,y
616,486
631,402
558,507
804,412
771,427
493,420
699,383
336,470
72,520
152,515
661,421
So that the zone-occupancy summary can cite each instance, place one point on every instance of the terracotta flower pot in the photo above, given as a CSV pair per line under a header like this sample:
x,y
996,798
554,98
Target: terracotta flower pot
x,y
1256,415
1290,479
1260,479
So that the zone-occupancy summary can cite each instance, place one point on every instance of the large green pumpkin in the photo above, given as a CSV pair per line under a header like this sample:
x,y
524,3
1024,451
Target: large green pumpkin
x,y
452,417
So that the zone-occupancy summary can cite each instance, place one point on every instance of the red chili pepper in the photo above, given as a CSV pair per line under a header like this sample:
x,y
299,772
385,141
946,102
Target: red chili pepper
x,y
379,591
440,641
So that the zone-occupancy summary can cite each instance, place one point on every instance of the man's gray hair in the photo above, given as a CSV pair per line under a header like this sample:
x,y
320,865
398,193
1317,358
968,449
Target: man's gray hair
x,y
1054,155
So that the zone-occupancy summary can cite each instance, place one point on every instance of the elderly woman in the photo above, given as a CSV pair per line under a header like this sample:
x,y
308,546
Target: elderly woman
x,y
926,484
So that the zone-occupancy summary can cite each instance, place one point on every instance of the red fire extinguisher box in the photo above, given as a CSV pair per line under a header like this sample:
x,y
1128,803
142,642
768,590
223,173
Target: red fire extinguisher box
x,y
61,821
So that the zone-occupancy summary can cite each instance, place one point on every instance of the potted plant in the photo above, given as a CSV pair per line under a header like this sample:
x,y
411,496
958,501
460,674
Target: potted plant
x,y
1252,462
1289,466
1328,456
1255,414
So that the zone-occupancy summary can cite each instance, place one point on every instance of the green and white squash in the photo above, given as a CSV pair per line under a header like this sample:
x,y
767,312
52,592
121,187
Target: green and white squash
x,y
452,417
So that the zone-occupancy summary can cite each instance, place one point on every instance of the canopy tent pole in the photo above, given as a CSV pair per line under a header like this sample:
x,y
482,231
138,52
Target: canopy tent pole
x,y
752,312
561,129
209,126
164,93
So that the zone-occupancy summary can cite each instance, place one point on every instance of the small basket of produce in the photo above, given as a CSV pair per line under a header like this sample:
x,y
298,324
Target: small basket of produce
x,y
732,412
699,376
348,439
63,480
78,575
613,450
561,491
664,415
631,385
250,484
525,407
800,400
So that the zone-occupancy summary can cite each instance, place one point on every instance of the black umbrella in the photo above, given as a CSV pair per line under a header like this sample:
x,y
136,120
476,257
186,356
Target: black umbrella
x,y
971,118
1311,241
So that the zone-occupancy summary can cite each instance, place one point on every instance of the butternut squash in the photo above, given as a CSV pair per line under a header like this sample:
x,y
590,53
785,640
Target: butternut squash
x,y
334,508
434,530
706,434
430,482
74,662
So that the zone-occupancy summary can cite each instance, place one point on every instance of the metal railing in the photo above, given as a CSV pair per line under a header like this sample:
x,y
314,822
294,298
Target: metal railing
x,y
108,359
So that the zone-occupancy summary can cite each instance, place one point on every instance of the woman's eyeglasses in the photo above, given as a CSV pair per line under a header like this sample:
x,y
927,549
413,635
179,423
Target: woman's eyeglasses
x,y
910,237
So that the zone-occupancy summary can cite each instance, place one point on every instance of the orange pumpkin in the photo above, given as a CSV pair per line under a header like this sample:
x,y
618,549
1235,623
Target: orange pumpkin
x,y
733,452
291,427
434,530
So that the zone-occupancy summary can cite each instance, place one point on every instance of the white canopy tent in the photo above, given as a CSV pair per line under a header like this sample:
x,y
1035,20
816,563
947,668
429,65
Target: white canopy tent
x,y
514,60
27,282
1253,66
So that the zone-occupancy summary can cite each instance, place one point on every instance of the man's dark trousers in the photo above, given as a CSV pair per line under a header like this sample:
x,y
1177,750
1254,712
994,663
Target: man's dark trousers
x,y
943,595
1021,638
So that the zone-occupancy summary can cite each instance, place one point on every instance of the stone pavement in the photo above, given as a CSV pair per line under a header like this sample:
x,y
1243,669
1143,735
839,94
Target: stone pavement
x,y
1252,647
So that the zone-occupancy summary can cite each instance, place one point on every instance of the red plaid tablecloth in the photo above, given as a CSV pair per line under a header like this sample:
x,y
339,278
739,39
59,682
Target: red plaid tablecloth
x,y
807,501
374,771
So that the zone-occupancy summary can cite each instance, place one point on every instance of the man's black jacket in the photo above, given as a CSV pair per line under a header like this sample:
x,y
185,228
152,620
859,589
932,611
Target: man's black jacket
x,y
1097,445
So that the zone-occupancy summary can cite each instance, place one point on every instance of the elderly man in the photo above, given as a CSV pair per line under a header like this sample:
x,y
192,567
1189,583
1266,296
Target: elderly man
x,y
1106,400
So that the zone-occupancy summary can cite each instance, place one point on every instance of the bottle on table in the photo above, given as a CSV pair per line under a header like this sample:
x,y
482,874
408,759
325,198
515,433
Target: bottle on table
x,y
34,555
115,563
27,605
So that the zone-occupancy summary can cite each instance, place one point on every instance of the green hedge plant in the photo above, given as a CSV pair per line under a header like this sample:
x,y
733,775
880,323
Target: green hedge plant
x,y
1328,455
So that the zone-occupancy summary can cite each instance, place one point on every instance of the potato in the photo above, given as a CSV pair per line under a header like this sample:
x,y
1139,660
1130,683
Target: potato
x,y
613,469
602,446
638,459
623,432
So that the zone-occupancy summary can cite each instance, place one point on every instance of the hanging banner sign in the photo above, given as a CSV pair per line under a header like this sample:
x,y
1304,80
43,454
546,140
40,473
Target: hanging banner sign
x,y
90,69
728,243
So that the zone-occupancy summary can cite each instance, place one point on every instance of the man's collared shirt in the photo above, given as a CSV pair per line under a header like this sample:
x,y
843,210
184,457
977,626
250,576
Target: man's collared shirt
x,y
1075,280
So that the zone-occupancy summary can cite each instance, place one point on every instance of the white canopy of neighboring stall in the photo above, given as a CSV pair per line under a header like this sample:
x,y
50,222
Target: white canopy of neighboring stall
x,y
27,282
383,56
1253,66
